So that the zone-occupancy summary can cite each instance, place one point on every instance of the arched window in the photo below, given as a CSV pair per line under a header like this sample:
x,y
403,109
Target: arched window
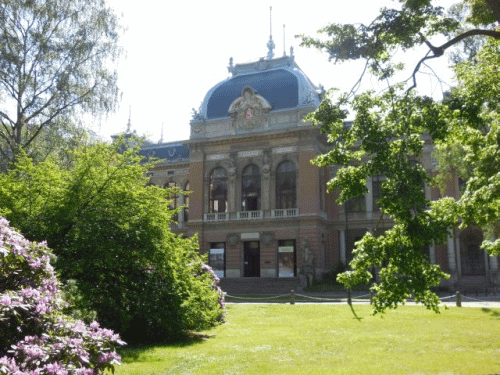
x,y
218,191
186,203
286,185
250,188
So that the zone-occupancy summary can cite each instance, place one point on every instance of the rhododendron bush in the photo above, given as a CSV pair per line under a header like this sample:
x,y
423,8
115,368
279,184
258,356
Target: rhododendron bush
x,y
36,337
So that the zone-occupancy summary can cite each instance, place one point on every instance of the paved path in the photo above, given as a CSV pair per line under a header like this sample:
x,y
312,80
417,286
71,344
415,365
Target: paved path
x,y
478,301
484,305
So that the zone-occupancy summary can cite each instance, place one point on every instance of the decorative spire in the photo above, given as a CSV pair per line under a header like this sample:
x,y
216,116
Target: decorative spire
x,y
270,44
230,67
161,136
129,124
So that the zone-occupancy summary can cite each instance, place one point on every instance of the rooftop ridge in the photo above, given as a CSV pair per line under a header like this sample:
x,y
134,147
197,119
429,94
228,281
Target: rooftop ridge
x,y
263,64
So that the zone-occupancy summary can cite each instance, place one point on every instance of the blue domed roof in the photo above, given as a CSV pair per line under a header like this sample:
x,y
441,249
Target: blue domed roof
x,y
279,81
279,87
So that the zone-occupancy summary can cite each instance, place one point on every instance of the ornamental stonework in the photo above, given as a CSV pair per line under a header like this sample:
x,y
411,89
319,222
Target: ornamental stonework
x,y
249,111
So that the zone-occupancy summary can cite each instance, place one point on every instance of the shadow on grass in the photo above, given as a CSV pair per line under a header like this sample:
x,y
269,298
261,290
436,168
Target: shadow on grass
x,y
137,353
493,313
354,313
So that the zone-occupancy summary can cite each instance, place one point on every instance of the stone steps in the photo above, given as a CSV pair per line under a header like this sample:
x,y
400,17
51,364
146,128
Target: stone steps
x,y
475,284
258,285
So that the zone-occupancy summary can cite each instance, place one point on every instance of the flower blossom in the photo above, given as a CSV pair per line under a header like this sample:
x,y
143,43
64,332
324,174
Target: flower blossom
x,y
5,301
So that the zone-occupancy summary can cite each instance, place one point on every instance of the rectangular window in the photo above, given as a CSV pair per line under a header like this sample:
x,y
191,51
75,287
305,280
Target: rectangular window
x,y
217,258
356,204
286,258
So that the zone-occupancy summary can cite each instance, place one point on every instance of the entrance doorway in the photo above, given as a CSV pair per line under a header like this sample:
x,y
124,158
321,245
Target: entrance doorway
x,y
472,257
251,259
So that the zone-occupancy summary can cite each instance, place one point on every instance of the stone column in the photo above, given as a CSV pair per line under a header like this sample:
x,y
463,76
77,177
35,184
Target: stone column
x,y
450,252
458,257
342,246
369,196
231,186
266,183
494,269
494,263
432,254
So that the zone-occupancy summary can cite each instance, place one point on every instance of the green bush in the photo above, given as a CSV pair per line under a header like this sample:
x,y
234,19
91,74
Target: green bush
x,y
111,233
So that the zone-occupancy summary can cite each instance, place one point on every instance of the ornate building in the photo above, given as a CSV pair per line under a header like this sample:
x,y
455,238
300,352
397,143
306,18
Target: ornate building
x,y
258,205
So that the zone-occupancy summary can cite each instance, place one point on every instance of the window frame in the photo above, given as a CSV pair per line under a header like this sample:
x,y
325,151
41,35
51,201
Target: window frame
x,y
251,194
285,200
219,181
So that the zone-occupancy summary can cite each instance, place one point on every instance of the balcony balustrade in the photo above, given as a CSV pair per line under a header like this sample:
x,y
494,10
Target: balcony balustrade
x,y
222,216
252,215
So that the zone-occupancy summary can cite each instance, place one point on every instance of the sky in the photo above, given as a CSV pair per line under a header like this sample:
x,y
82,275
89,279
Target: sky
x,y
176,51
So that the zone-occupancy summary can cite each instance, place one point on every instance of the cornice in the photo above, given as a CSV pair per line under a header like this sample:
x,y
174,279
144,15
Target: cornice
x,y
238,139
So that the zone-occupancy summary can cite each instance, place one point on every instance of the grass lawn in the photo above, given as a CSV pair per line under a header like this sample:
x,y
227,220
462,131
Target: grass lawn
x,y
328,339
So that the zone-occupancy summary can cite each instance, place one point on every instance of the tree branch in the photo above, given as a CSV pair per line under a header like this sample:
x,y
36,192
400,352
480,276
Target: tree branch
x,y
355,87
439,51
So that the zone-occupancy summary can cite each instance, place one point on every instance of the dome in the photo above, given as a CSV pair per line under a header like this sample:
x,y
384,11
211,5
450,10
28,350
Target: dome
x,y
280,81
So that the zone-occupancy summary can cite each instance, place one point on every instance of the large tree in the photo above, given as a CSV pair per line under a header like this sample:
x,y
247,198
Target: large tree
x,y
387,136
55,65
471,149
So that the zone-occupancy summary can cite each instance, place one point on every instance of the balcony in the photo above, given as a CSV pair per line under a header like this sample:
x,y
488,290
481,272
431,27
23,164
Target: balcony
x,y
252,215
223,216
286,212
249,215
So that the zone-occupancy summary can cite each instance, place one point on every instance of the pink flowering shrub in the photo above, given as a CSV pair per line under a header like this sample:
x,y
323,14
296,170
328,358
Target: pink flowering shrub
x,y
206,269
35,336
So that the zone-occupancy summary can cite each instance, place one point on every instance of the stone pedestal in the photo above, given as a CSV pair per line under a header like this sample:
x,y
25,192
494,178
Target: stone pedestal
x,y
307,275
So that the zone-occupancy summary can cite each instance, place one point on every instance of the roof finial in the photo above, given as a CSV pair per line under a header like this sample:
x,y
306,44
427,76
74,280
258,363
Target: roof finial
x,y
161,136
129,124
270,44
230,67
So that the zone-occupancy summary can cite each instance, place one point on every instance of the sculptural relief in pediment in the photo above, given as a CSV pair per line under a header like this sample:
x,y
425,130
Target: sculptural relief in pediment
x,y
249,110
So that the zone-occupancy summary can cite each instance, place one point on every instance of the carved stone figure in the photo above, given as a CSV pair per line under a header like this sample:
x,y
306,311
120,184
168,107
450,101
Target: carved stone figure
x,y
266,167
308,256
232,239
248,110
307,272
